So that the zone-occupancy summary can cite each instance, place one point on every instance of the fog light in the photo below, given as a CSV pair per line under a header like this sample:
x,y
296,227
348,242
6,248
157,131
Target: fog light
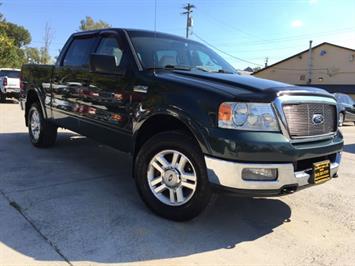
x,y
259,174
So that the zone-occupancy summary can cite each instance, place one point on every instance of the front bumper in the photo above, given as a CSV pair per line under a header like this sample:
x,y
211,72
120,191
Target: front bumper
x,y
228,175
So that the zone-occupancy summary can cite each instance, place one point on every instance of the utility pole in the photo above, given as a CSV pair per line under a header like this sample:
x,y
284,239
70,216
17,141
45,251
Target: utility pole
x,y
189,8
310,64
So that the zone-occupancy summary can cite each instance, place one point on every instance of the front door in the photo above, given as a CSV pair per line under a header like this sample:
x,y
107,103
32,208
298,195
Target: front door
x,y
107,99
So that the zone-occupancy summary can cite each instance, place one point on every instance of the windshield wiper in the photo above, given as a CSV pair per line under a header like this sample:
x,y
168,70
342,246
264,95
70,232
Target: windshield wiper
x,y
188,68
170,67
205,69
202,68
223,71
177,67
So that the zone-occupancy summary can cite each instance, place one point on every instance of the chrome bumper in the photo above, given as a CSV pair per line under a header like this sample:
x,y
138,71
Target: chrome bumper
x,y
229,174
12,90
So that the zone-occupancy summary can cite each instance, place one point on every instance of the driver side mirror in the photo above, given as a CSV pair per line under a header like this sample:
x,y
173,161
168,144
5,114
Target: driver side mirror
x,y
104,64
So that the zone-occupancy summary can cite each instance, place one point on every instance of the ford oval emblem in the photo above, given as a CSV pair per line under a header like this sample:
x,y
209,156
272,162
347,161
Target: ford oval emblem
x,y
317,119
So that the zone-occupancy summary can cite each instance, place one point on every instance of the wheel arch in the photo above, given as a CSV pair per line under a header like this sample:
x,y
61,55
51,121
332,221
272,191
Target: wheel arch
x,y
167,121
32,96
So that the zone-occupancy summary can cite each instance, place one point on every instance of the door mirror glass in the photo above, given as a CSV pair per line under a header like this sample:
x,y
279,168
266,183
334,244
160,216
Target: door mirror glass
x,y
104,64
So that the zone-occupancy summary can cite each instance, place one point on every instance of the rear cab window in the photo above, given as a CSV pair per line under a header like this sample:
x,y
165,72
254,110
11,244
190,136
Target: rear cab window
x,y
10,73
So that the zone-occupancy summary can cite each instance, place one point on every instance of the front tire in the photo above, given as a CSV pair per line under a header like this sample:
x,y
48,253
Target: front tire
x,y
42,133
171,176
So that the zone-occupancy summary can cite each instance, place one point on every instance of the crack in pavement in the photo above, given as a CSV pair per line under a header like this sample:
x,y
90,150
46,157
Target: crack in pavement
x,y
62,183
18,208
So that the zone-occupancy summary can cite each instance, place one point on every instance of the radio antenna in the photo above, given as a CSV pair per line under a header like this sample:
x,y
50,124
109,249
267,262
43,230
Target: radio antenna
x,y
155,15
155,31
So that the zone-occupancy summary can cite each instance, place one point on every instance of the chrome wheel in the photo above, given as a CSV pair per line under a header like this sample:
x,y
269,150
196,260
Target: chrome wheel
x,y
172,177
35,124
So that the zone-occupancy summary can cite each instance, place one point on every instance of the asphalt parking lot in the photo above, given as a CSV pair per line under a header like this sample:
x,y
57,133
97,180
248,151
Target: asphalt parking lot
x,y
76,203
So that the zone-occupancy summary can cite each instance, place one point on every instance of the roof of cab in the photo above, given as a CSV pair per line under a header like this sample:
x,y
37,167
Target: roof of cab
x,y
92,32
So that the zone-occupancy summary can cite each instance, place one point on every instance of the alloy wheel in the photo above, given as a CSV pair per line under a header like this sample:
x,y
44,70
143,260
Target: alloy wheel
x,y
172,177
35,124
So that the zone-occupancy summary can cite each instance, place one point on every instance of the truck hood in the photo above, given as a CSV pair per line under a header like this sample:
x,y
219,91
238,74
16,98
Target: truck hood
x,y
241,87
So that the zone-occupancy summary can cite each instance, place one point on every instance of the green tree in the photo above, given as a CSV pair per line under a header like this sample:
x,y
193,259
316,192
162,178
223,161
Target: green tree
x,y
19,34
12,39
11,55
13,45
44,55
8,53
89,24
32,55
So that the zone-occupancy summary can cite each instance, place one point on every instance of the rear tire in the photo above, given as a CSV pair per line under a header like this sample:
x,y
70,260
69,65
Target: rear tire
x,y
173,163
2,97
42,133
341,119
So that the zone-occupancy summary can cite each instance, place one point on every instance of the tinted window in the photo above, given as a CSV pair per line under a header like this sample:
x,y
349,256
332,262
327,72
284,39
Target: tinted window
x,y
78,53
109,46
10,73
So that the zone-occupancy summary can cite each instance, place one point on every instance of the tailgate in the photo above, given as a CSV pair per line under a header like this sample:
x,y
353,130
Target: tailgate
x,y
13,83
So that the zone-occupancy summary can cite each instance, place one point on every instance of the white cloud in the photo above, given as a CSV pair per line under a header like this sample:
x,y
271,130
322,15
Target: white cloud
x,y
313,2
296,23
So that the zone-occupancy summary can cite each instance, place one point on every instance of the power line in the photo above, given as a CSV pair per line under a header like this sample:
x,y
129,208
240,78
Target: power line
x,y
223,52
297,37
261,41
208,16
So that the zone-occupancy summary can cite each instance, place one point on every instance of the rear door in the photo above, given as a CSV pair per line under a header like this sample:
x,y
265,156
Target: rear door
x,y
71,78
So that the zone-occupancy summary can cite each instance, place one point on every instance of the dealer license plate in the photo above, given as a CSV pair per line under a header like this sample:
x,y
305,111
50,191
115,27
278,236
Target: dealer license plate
x,y
321,171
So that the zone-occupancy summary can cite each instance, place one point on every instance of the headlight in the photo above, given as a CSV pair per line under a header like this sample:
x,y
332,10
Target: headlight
x,y
247,116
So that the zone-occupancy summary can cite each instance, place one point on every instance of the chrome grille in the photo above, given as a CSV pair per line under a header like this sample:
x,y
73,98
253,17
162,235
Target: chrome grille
x,y
300,119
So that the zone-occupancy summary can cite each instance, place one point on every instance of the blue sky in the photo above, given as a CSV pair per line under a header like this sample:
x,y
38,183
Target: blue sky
x,y
248,29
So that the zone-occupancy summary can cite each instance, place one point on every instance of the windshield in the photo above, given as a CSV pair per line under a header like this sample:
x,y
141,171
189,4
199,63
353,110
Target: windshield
x,y
165,51
10,73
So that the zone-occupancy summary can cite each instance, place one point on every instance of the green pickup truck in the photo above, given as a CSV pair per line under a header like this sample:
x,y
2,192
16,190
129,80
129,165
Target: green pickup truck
x,y
190,123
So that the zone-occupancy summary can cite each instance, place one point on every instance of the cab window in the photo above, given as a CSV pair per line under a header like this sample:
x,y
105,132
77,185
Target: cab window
x,y
110,46
10,73
78,53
